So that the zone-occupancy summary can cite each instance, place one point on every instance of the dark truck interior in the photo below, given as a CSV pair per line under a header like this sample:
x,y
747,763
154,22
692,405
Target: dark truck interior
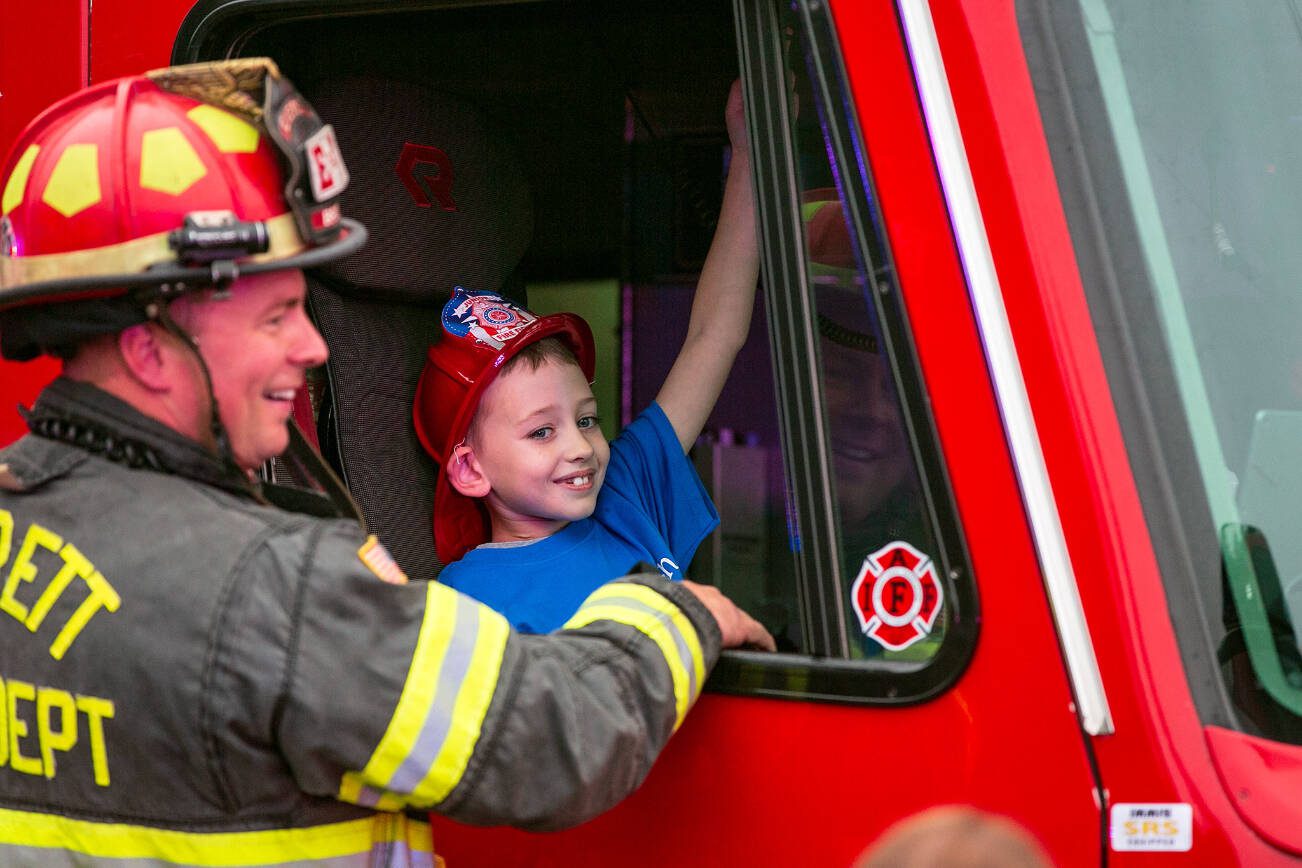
x,y
570,155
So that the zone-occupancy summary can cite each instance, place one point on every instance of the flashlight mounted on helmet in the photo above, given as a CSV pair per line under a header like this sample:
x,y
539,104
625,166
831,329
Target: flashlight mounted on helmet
x,y
208,236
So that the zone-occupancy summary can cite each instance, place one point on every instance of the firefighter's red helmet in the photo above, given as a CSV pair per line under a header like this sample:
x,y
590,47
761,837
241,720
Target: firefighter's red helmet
x,y
156,184
481,332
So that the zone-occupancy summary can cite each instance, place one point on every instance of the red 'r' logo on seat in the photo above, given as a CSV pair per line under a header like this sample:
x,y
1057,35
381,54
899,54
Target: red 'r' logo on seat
x,y
426,172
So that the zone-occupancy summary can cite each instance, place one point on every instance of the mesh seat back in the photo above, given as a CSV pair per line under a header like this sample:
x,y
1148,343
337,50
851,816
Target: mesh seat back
x,y
447,203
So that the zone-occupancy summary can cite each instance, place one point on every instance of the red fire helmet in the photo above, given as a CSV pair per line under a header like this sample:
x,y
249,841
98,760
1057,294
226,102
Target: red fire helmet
x,y
481,332
149,186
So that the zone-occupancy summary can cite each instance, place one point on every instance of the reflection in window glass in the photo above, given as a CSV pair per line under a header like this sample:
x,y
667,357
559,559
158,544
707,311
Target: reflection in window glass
x,y
896,608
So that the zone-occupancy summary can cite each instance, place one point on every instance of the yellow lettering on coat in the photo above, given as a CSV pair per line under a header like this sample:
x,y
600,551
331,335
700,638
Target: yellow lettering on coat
x,y
20,691
24,570
96,710
75,565
48,700
102,595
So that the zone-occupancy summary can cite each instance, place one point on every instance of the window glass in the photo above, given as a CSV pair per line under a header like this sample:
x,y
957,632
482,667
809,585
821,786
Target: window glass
x,y
624,207
1191,125
893,590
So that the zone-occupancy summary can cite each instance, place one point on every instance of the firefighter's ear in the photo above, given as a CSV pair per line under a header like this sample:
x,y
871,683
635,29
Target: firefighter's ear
x,y
465,474
144,356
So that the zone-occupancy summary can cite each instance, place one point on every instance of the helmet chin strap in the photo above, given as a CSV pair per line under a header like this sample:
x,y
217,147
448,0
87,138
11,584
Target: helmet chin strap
x,y
158,312
308,464
306,461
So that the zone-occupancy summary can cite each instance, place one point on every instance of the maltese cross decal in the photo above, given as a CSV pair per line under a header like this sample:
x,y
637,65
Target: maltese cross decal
x,y
897,596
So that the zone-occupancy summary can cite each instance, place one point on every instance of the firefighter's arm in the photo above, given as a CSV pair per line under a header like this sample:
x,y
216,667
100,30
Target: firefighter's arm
x,y
414,696
579,716
725,295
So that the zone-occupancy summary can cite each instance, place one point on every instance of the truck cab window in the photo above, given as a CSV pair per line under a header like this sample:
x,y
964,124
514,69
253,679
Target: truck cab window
x,y
887,553
607,169
1189,158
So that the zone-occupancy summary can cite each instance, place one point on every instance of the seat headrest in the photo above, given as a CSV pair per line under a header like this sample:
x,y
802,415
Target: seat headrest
x,y
439,187
446,202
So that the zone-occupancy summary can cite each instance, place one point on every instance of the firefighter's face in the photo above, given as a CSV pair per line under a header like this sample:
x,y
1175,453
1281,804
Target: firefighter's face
x,y
537,442
258,344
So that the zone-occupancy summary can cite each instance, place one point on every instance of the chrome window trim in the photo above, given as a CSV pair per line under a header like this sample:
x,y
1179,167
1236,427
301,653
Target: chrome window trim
x,y
1005,370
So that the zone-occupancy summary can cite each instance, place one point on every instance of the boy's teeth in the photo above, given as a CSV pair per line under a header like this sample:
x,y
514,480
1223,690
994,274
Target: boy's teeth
x,y
282,395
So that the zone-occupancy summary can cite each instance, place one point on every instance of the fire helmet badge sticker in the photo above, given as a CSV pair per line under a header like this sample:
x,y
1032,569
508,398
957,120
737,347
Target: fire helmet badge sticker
x,y
897,595
485,316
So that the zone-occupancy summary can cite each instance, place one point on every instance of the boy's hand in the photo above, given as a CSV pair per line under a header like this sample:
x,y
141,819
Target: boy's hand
x,y
738,628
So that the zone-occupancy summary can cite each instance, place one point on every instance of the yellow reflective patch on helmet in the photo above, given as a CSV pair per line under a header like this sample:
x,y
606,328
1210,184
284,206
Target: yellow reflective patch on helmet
x,y
18,180
74,184
168,162
230,134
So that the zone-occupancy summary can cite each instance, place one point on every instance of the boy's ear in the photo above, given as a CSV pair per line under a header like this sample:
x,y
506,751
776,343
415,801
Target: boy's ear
x,y
464,473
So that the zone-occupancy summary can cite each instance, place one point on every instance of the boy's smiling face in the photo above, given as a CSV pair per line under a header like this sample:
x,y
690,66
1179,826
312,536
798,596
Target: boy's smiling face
x,y
537,442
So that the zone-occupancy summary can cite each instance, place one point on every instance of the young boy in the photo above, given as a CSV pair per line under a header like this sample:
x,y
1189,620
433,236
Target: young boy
x,y
533,509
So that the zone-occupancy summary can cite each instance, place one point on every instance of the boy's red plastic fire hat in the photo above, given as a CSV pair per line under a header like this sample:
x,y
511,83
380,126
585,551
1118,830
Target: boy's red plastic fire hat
x,y
481,332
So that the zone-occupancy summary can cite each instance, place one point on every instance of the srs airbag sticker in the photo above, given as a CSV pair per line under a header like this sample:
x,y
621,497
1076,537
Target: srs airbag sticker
x,y
1152,826
897,596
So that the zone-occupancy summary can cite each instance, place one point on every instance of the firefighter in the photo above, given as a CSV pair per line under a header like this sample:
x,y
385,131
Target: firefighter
x,y
190,674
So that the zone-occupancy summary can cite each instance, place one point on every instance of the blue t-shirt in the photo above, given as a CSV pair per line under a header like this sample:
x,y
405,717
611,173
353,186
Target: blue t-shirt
x,y
652,507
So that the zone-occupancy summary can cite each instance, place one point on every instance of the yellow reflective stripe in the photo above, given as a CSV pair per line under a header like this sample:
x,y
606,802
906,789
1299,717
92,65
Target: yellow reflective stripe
x,y
662,604
417,694
216,849
436,725
661,621
469,711
130,257
353,789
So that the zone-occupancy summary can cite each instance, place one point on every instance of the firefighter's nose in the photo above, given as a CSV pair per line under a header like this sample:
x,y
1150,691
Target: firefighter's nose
x,y
310,349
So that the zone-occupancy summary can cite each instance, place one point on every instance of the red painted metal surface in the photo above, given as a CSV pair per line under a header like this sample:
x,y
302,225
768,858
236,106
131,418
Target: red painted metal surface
x,y
128,40
33,74
772,782
1157,753
1263,778
128,37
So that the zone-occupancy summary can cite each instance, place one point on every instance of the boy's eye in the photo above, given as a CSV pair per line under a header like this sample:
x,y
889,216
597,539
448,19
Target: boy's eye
x,y
588,422
540,433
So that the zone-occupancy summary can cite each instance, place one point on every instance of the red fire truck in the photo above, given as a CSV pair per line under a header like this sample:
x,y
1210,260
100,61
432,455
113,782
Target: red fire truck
x,y
1012,465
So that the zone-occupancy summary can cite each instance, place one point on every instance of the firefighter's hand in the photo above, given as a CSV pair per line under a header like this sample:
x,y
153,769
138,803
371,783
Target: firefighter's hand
x,y
738,628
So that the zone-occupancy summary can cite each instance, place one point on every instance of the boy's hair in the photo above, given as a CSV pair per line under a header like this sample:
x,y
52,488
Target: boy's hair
x,y
536,354
550,349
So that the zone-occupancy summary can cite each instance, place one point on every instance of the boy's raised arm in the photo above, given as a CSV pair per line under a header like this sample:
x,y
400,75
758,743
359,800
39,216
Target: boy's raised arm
x,y
725,295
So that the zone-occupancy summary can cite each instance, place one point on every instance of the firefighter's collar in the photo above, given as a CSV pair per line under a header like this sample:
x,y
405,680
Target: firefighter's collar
x,y
87,417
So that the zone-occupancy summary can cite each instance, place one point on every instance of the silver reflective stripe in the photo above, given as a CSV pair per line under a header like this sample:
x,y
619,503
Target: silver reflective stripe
x,y
1014,405
680,643
450,677
400,856
369,797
